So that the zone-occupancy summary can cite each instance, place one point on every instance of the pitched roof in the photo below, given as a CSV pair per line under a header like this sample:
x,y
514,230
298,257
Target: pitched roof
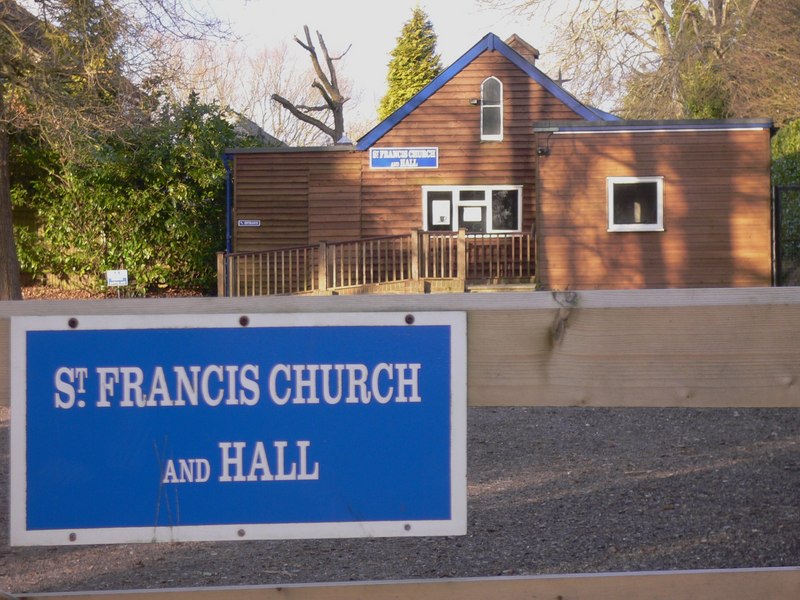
x,y
490,42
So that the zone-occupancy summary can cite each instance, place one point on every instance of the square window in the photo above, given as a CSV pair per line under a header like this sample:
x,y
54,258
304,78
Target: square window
x,y
635,203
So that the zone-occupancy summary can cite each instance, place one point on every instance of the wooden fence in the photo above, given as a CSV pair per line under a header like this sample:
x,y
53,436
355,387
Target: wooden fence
x,y
655,348
379,263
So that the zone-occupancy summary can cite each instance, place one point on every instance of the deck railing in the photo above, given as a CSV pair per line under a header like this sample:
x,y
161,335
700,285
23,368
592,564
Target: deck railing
x,y
273,272
499,257
371,261
378,261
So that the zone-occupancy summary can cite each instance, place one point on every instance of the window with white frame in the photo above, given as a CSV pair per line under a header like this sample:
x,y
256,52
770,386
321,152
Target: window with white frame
x,y
635,203
478,209
492,109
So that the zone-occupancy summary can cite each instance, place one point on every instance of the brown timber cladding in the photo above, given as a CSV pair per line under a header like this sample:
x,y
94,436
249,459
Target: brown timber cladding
x,y
299,197
392,200
717,210
304,197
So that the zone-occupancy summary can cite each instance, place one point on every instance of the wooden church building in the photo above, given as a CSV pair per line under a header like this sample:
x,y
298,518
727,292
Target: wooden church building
x,y
493,173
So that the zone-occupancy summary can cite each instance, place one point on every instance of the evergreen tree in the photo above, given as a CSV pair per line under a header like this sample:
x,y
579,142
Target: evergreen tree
x,y
414,63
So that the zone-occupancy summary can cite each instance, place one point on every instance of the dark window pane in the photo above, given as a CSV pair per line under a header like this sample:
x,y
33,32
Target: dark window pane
x,y
472,218
467,195
636,203
492,120
505,210
439,209
492,92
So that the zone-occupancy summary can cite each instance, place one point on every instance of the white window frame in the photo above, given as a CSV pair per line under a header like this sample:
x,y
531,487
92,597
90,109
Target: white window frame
x,y
492,137
485,203
657,226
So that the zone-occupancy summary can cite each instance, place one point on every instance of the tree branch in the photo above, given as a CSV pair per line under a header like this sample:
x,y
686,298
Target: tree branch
x,y
303,116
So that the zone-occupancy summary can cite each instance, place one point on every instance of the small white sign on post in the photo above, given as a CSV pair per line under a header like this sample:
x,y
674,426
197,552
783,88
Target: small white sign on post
x,y
117,277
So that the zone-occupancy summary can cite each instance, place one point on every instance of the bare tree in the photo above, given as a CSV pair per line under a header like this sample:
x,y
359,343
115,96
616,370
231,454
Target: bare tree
x,y
328,117
273,73
663,55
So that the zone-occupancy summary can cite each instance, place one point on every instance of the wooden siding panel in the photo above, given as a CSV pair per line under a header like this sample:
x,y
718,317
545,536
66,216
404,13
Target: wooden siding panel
x,y
298,196
392,200
305,197
335,199
717,211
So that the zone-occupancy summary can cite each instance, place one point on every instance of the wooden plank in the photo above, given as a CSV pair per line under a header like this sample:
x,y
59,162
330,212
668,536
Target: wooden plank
x,y
735,584
650,348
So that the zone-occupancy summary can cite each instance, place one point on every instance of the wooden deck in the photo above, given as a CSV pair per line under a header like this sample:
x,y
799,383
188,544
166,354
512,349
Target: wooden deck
x,y
417,262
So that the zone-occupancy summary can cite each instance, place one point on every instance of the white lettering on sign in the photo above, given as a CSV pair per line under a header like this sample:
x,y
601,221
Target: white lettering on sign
x,y
240,463
404,158
130,387
351,383
237,385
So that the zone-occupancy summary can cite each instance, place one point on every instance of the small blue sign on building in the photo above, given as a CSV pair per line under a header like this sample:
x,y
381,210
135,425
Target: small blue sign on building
x,y
404,158
152,428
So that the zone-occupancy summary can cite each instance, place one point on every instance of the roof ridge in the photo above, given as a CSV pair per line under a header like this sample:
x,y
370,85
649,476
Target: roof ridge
x,y
490,42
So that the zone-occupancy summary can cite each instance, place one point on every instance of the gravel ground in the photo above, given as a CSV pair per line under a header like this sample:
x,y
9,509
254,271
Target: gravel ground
x,y
550,491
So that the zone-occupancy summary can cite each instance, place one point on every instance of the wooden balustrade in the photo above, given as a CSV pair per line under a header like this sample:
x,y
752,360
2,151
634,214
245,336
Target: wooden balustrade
x,y
274,272
372,262
439,254
500,257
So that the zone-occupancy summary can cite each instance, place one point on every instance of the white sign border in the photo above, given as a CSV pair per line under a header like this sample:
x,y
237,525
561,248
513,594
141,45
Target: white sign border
x,y
456,525
405,167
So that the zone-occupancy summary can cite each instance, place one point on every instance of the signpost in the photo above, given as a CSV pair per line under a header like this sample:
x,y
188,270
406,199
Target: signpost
x,y
117,277
263,427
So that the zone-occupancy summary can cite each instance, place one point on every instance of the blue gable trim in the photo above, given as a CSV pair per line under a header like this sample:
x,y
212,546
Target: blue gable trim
x,y
489,42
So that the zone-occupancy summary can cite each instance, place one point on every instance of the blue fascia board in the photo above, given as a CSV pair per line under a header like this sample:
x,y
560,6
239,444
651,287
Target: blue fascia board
x,y
489,42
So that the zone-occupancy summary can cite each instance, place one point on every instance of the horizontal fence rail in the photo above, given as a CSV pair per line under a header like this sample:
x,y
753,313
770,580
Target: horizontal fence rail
x,y
734,584
379,261
647,348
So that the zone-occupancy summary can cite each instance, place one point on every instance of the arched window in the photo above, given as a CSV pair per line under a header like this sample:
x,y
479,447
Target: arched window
x,y
492,109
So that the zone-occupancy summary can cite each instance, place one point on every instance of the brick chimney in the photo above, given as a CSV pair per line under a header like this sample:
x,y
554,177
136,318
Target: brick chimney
x,y
523,48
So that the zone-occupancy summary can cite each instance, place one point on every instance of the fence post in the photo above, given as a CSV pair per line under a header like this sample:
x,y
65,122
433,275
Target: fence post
x,y
461,258
322,269
229,276
221,274
416,241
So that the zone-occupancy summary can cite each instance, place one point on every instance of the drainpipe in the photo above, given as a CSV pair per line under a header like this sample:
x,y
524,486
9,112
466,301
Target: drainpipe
x,y
226,160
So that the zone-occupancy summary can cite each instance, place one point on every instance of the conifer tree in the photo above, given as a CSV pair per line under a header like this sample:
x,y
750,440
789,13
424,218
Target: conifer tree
x,y
414,63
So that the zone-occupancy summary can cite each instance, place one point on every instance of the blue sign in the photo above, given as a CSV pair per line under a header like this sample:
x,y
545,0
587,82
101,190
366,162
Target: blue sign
x,y
154,428
404,158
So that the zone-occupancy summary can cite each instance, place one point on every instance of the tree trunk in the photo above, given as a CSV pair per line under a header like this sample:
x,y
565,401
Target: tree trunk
x,y
10,288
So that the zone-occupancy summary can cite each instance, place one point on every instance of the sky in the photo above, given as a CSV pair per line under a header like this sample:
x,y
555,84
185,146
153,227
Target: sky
x,y
372,28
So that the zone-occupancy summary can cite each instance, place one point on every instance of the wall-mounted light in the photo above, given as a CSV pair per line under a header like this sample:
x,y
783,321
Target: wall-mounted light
x,y
475,101
543,151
